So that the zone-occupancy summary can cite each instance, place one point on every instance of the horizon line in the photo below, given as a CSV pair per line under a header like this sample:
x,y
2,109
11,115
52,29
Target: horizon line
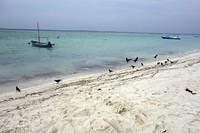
x,y
102,31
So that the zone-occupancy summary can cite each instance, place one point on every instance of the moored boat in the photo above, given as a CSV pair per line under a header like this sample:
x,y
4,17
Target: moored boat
x,y
41,44
171,37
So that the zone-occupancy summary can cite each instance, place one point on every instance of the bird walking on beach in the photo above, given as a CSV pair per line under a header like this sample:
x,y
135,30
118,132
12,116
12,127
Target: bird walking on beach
x,y
17,89
188,90
155,56
57,81
135,59
142,64
110,70
127,59
132,66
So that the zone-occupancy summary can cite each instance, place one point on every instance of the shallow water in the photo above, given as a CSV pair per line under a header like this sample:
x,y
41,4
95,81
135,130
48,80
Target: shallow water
x,y
79,51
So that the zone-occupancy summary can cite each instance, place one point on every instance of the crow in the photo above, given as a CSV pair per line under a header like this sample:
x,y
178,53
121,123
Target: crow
x,y
135,59
155,56
132,66
57,81
127,59
17,89
190,91
110,70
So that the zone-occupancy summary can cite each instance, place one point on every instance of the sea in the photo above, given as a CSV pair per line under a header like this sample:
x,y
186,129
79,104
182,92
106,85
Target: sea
x,y
77,52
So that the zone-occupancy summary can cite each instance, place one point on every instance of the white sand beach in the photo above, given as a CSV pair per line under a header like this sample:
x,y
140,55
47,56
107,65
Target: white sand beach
x,y
146,99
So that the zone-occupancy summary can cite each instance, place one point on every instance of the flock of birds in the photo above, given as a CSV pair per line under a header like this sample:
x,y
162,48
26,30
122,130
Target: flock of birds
x,y
110,70
128,60
136,59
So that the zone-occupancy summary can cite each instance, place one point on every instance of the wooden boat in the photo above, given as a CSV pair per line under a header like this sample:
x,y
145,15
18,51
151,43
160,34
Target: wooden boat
x,y
41,44
171,37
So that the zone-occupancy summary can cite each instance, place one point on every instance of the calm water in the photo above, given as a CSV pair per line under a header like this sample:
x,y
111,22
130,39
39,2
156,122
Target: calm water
x,y
78,52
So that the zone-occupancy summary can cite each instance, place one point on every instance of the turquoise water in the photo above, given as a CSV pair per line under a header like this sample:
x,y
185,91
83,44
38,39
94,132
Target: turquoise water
x,y
79,51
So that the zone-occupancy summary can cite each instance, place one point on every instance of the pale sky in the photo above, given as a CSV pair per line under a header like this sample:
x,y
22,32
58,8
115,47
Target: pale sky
x,y
173,16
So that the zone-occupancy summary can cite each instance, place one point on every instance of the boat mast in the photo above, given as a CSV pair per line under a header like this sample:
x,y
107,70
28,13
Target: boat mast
x,y
38,32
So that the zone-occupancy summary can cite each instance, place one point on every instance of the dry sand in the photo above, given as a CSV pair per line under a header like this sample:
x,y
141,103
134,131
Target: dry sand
x,y
148,99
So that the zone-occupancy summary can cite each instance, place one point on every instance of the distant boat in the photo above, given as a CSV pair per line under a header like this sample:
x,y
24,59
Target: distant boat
x,y
171,37
41,44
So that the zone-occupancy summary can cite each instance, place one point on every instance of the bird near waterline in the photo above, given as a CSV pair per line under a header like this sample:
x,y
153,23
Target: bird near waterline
x,y
57,81
142,64
127,59
158,63
17,89
132,66
110,70
155,56
136,59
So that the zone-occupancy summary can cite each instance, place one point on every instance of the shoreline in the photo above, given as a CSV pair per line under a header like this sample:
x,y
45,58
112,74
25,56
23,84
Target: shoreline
x,y
37,81
146,99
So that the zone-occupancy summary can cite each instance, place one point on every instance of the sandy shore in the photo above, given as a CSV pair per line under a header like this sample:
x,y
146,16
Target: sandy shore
x,y
148,99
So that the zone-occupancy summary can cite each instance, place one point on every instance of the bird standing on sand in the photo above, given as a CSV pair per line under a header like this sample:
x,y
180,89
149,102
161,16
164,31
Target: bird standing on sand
x,y
110,70
127,59
57,81
190,91
17,89
132,66
142,64
155,56
135,59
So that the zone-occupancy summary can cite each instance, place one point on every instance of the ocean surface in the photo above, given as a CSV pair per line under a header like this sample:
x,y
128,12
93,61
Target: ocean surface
x,y
77,52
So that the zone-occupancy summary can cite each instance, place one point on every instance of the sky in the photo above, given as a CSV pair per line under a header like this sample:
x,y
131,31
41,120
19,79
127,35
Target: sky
x,y
157,16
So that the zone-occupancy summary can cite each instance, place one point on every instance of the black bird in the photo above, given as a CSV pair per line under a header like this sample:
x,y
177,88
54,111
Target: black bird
x,y
168,60
17,89
190,91
158,63
57,81
165,62
155,56
110,70
135,59
161,64
127,59
142,64
132,66
171,62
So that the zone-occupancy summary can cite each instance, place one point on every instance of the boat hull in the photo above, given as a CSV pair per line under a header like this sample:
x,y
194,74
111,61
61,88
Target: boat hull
x,y
42,45
175,38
